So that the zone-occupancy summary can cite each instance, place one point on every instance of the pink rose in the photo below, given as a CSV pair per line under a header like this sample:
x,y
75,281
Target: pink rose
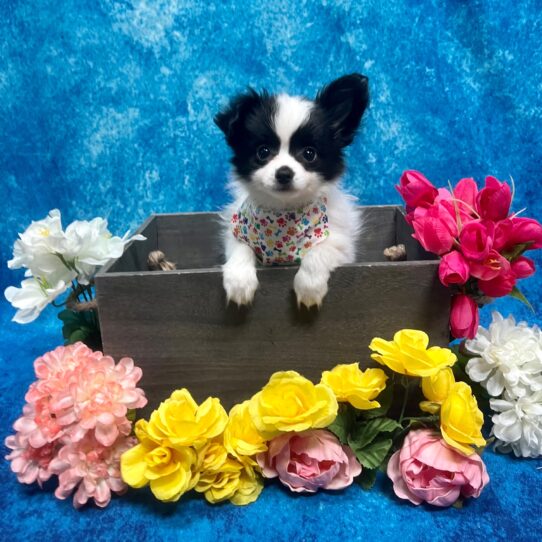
x,y
499,286
493,201
435,228
464,317
426,469
453,269
309,461
491,267
416,190
476,240
523,267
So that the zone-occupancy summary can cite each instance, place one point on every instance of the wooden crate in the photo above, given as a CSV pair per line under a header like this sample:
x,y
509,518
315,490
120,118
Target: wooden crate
x,y
177,327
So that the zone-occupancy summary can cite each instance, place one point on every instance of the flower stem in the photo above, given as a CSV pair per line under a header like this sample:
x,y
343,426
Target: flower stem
x,y
405,400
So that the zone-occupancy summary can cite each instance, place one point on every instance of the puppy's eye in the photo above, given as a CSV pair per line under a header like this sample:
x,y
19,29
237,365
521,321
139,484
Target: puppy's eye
x,y
263,152
309,153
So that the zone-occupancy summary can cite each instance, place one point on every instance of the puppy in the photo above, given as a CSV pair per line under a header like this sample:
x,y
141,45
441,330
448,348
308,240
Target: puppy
x,y
288,209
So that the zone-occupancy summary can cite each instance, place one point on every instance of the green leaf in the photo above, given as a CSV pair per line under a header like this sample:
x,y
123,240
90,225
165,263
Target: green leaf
x,y
367,478
385,399
372,456
343,423
517,294
76,336
364,433
517,251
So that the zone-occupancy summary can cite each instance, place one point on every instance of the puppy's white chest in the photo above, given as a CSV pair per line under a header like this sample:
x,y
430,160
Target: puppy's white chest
x,y
280,237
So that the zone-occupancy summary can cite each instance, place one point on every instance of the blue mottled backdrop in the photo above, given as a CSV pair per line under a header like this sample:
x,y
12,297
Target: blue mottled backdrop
x,y
106,109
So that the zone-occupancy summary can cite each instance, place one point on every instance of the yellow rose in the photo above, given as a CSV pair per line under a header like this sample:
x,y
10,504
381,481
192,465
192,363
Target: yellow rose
x,y
212,456
250,486
180,422
350,384
408,354
290,402
220,485
170,472
436,389
461,420
241,438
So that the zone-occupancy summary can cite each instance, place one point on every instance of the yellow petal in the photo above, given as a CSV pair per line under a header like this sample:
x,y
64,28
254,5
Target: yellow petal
x,y
133,466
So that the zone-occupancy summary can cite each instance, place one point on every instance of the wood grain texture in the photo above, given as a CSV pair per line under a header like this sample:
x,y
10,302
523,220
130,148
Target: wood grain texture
x,y
177,327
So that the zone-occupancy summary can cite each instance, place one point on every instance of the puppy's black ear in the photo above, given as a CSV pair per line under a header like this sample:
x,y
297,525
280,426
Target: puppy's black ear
x,y
232,119
344,101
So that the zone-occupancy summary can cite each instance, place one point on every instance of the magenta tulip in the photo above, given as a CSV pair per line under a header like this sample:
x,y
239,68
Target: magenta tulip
x,y
435,228
416,190
491,267
476,240
464,317
493,201
453,269
523,267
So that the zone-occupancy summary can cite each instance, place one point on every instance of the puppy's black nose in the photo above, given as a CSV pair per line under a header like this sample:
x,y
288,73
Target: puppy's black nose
x,y
284,175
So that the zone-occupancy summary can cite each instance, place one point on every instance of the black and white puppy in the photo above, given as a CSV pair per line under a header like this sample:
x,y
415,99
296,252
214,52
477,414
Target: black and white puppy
x,y
288,208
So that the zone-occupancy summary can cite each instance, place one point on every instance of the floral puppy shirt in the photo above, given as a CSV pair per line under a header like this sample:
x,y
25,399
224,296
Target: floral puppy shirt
x,y
278,236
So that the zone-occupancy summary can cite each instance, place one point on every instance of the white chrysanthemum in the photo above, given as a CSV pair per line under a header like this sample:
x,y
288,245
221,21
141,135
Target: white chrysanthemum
x,y
518,426
509,357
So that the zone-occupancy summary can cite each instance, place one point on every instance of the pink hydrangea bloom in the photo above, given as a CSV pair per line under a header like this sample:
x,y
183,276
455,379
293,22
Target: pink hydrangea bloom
x,y
91,469
75,423
98,399
28,463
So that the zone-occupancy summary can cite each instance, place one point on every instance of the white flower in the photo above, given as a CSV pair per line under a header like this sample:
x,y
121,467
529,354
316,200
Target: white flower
x,y
38,247
32,297
90,244
518,427
510,357
54,258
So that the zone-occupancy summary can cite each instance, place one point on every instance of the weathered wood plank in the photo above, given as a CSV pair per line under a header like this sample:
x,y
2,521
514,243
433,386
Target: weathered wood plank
x,y
178,329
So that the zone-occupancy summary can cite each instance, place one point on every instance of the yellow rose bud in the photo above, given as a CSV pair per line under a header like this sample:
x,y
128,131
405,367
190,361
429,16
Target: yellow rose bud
x,y
180,422
290,402
436,389
461,420
350,384
241,438
408,354
170,472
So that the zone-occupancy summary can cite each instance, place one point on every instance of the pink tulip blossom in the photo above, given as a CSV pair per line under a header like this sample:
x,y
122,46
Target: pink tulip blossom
x,y
426,469
464,317
453,269
476,240
465,193
523,267
500,286
309,461
493,201
435,228
491,267
416,190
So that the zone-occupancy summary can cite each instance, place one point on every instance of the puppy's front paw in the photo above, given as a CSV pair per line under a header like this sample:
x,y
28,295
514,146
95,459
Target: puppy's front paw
x,y
310,288
240,284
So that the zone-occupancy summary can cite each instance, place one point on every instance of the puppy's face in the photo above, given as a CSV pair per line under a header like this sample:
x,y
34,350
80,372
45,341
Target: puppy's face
x,y
285,148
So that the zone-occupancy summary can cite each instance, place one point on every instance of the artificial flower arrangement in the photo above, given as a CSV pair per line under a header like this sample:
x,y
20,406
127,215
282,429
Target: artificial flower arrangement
x,y
310,436
323,436
480,243
57,261
416,419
